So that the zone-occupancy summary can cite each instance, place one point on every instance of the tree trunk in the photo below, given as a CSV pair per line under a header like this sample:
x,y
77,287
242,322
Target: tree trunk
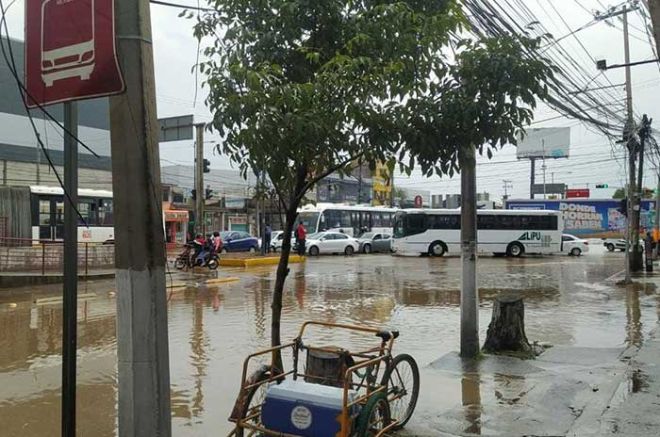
x,y
506,332
283,266
654,8
280,278
469,297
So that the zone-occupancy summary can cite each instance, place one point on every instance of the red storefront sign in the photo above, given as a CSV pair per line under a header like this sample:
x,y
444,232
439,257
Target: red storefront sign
x,y
577,193
70,51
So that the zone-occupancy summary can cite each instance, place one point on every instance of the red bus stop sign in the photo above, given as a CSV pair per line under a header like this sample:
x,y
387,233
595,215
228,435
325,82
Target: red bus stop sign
x,y
70,51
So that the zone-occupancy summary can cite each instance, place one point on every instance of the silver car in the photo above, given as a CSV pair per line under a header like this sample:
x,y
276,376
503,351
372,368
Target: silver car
x,y
375,242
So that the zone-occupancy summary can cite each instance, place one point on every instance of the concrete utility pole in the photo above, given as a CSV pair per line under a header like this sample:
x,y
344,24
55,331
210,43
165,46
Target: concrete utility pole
x,y
507,184
532,177
654,9
634,197
469,292
199,179
142,341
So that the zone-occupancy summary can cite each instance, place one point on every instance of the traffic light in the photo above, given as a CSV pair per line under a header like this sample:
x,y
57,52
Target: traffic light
x,y
194,194
601,186
206,163
208,193
623,206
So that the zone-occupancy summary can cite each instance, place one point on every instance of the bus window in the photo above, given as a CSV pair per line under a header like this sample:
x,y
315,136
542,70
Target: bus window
x,y
377,220
323,226
449,221
414,224
487,222
105,212
84,210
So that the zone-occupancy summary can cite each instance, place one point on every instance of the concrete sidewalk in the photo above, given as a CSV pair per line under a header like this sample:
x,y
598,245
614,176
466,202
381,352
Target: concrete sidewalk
x,y
635,411
566,391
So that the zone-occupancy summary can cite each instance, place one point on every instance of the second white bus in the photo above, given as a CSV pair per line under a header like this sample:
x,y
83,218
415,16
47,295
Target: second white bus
x,y
437,232
352,220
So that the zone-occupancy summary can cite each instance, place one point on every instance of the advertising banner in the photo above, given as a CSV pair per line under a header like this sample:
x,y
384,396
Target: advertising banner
x,y
382,185
590,217
70,51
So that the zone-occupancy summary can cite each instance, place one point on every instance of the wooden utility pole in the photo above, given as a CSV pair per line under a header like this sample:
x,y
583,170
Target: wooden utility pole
x,y
199,179
142,341
469,292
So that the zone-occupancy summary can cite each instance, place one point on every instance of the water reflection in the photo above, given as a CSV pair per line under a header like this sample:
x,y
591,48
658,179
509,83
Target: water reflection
x,y
471,396
633,317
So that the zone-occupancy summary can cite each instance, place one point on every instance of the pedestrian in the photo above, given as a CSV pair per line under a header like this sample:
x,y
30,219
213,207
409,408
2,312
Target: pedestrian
x,y
216,243
301,237
648,251
267,234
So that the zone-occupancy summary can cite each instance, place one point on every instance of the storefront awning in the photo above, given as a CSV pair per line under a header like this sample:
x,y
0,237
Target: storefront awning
x,y
175,216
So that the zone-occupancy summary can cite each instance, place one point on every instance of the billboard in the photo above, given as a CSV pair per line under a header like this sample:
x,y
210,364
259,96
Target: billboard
x,y
590,217
70,51
547,142
382,185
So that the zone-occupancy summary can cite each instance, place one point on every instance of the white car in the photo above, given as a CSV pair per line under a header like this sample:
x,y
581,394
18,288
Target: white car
x,y
573,245
331,242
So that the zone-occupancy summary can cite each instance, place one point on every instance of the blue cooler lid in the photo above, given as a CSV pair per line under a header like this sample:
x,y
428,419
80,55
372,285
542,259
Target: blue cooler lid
x,y
301,391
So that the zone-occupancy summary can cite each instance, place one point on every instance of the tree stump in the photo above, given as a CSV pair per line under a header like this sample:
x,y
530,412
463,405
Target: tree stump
x,y
506,332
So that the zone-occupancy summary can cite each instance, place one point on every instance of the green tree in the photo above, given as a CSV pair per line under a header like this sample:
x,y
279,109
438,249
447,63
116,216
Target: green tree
x,y
482,102
620,193
301,88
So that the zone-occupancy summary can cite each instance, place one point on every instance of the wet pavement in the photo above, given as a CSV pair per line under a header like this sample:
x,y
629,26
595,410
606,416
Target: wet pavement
x,y
571,303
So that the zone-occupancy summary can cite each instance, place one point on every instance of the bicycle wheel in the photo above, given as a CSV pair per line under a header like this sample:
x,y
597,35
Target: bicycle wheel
x,y
179,263
374,417
402,380
252,403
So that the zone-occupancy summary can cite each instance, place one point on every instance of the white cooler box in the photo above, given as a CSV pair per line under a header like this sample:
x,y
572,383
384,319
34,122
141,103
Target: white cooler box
x,y
304,409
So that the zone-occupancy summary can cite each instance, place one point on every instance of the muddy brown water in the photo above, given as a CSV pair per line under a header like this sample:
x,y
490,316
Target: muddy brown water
x,y
212,329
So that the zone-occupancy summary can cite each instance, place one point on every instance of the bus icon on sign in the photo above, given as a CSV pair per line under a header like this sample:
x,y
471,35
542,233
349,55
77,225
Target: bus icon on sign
x,y
67,40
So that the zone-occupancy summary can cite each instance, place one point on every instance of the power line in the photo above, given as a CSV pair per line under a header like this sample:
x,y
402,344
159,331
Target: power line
x,y
180,6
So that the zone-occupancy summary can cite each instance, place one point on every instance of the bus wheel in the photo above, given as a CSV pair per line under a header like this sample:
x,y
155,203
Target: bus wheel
x,y
515,249
437,248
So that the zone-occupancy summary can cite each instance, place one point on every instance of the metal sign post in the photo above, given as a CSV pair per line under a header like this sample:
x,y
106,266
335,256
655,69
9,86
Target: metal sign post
x,y
70,303
70,55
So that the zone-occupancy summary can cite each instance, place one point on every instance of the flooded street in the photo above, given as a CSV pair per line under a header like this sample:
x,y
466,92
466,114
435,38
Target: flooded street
x,y
211,329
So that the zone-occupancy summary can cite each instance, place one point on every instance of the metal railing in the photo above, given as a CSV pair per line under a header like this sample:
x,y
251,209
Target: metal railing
x,y
44,256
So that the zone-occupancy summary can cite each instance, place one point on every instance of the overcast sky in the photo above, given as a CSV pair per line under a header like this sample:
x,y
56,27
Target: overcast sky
x,y
175,52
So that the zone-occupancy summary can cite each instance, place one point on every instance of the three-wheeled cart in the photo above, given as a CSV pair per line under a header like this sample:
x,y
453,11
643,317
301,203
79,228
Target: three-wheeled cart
x,y
335,392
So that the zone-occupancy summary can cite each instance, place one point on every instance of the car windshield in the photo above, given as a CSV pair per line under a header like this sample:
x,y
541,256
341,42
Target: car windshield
x,y
367,235
315,235
225,234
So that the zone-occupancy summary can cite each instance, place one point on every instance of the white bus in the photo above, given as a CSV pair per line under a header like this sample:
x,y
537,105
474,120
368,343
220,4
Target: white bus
x,y
352,220
47,214
512,232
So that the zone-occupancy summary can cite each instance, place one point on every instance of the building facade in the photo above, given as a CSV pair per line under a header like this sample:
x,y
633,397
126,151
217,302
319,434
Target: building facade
x,y
23,162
